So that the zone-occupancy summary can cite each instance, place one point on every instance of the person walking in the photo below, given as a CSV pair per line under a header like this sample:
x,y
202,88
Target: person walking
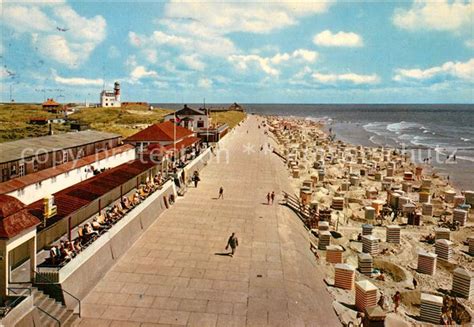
x,y
221,193
196,178
233,242
396,300
272,196
268,198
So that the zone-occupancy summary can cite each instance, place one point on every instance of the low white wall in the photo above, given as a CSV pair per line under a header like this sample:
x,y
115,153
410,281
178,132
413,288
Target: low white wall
x,y
21,315
35,192
198,163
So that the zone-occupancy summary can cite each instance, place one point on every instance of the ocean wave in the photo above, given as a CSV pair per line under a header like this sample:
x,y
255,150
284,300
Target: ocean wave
x,y
403,125
405,137
377,128
471,159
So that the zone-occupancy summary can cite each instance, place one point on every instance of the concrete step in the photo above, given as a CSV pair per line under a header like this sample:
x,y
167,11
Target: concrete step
x,y
46,320
53,308
74,320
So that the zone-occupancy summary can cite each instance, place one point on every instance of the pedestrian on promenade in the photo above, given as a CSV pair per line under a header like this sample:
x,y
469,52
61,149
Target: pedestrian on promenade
x,y
233,242
196,178
272,196
268,198
221,193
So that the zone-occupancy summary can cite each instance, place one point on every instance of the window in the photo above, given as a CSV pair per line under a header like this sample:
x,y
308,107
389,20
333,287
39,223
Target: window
x,y
65,156
35,164
200,124
21,169
5,174
13,170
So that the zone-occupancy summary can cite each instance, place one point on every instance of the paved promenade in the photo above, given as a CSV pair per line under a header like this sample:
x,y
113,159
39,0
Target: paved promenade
x,y
176,273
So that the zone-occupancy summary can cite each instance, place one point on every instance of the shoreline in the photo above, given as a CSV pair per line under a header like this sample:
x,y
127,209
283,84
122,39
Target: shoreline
x,y
461,172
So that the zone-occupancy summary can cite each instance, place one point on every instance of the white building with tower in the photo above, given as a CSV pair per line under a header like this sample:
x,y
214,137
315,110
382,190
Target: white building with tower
x,y
111,98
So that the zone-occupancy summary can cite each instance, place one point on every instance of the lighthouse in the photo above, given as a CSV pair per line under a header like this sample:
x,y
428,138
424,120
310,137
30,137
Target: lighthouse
x,y
117,91
111,98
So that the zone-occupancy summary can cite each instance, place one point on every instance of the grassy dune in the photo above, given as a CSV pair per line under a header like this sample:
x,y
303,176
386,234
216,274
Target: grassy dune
x,y
232,118
14,120
122,121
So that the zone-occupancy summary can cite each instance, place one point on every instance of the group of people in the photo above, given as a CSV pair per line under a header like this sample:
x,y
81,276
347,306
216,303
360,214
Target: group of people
x,y
270,197
65,251
450,311
90,231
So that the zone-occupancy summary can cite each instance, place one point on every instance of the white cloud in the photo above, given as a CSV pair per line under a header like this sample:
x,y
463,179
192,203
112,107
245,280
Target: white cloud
x,y
78,81
469,43
205,83
26,19
348,78
255,17
140,72
41,20
185,39
242,62
306,55
202,28
441,15
456,70
193,62
339,39
267,64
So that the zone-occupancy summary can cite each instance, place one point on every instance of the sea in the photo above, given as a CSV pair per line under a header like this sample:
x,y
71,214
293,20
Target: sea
x,y
442,133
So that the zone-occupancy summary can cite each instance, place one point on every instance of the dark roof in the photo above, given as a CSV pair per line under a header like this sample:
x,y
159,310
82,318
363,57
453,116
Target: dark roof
x,y
235,106
14,218
163,132
186,111
77,196
28,147
33,178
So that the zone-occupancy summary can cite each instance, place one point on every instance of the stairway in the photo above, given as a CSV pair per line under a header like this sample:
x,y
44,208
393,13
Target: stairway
x,y
47,308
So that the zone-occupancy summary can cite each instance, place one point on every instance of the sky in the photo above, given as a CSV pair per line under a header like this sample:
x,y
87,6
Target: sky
x,y
248,52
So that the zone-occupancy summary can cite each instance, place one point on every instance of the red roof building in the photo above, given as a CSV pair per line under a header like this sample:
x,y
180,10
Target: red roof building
x,y
162,136
14,217
50,104
166,132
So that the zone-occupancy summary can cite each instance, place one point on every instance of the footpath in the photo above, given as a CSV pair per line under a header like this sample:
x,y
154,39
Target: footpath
x,y
179,273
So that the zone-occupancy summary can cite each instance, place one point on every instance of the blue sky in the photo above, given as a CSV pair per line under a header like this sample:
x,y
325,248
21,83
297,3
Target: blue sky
x,y
283,52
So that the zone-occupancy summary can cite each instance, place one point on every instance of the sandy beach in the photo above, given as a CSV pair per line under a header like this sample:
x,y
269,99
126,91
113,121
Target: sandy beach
x,y
346,179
